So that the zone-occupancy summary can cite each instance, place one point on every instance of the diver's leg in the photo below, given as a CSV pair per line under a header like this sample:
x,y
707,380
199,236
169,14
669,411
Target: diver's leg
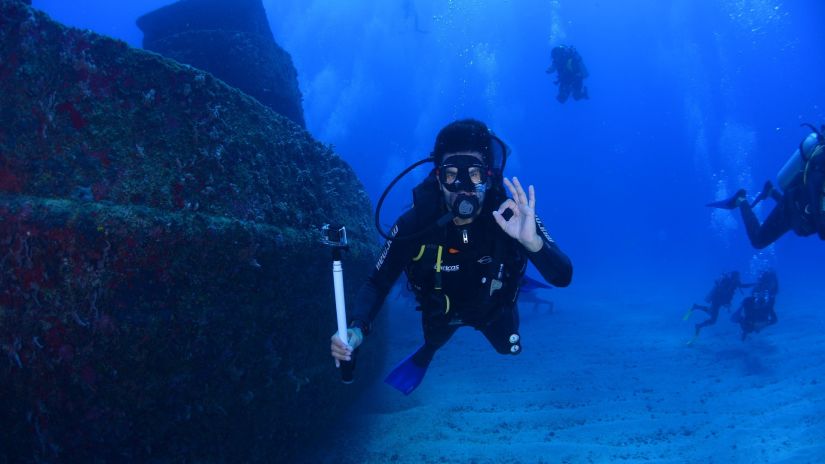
x,y
762,235
747,309
437,331
502,332
564,92
579,92
713,312
701,308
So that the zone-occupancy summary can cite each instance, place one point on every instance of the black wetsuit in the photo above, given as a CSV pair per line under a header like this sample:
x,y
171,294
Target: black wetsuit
x,y
792,212
571,70
757,312
721,295
473,258
800,209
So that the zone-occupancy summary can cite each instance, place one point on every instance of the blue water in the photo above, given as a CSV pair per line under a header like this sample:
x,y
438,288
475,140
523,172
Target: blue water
x,y
690,100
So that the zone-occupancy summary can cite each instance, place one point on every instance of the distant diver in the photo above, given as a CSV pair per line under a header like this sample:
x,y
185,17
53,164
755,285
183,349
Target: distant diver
x,y
571,70
800,206
757,311
720,295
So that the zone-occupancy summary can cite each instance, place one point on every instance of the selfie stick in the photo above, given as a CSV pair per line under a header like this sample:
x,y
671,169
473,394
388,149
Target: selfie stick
x,y
336,237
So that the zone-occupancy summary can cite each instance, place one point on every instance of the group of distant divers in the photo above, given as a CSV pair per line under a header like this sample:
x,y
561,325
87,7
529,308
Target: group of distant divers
x,y
755,312
799,206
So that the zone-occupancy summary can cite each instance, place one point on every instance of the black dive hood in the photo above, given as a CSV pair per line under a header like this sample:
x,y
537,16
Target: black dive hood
x,y
427,194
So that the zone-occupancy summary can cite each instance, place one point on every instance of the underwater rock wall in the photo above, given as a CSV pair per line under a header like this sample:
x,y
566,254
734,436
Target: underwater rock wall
x,y
163,293
232,40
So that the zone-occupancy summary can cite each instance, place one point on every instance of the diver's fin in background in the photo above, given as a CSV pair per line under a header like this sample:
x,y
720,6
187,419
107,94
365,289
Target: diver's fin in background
x,y
687,314
529,284
767,191
728,203
407,375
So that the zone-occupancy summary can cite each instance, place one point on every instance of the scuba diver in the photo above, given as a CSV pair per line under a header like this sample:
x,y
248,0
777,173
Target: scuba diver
x,y
567,62
757,310
720,295
464,247
800,206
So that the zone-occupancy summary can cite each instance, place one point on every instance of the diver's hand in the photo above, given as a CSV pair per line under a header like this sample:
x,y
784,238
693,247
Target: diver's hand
x,y
342,351
522,224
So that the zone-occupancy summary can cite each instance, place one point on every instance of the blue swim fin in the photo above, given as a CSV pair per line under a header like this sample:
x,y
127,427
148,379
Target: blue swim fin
x,y
407,375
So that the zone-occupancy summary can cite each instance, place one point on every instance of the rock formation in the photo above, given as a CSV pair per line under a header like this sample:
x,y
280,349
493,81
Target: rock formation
x,y
232,40
163,293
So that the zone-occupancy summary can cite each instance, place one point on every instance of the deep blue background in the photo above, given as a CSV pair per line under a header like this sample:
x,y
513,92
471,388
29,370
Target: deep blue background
x,y
690,101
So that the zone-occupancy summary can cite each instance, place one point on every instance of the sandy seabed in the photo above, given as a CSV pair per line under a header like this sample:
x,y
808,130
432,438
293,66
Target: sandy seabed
x,y
602,382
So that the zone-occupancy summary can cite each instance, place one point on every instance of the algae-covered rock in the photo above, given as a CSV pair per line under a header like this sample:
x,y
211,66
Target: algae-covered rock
x,y
163,293
232,40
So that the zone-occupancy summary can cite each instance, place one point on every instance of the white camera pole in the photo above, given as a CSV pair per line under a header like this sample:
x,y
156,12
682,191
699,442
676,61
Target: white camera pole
x,y
340,303
336,237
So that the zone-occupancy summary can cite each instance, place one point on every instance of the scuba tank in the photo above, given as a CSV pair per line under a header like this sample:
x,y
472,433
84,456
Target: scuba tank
x,y
794,168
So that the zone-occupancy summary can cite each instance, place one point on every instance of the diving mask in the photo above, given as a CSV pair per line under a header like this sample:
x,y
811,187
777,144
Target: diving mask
x,y
467,177
463,173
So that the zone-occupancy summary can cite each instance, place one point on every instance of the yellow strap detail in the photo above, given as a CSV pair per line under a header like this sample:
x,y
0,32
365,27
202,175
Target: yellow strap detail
x,y
420,253
438,268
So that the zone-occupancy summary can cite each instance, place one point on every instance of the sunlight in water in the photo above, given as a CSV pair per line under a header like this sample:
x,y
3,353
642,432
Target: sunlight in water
x,y
757,16
557,33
